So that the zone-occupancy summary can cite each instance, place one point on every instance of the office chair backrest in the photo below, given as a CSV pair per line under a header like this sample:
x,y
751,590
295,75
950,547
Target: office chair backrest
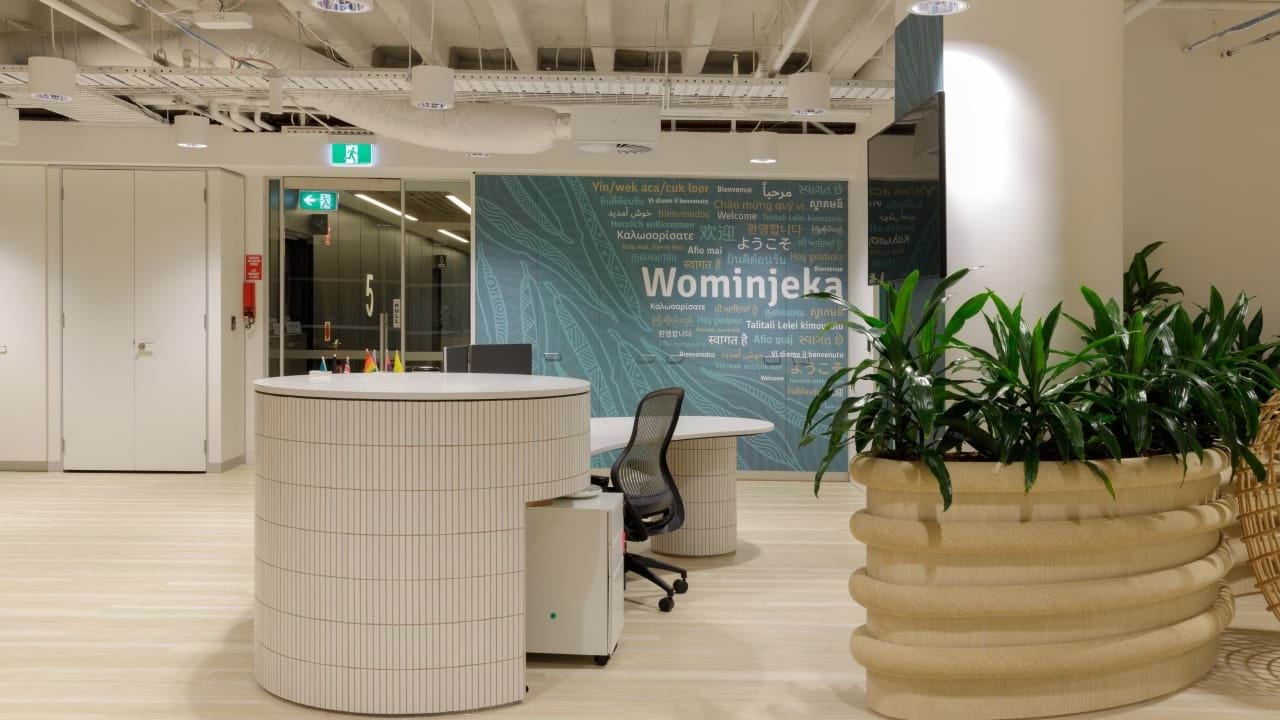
x,y
641,470
455,358
516,359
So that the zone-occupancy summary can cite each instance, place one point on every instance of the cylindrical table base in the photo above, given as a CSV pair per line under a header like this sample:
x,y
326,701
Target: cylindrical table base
x,y
706,471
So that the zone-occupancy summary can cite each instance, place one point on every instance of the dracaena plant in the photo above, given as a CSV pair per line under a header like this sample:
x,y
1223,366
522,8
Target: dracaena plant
x,y
1028,401
1158,380
1143,287
893,403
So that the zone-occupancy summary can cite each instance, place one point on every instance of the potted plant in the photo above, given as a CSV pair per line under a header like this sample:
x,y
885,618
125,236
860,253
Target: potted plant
x,y
1042,526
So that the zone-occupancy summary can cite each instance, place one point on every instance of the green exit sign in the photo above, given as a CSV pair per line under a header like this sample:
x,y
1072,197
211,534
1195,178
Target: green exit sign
x,y
351,154
318,200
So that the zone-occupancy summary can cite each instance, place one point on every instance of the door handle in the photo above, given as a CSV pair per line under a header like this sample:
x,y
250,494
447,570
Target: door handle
x,y
145,345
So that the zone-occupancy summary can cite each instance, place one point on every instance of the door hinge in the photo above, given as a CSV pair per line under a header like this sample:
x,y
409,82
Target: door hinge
x,y
206,321
64,321
206,448
206,195
64,447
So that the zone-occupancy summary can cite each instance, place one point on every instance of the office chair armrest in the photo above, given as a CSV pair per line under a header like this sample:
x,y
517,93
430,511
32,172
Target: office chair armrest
x,y
600,481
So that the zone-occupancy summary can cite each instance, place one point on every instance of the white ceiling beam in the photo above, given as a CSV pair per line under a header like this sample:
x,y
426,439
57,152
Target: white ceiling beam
x,y
509,14
703,20
860,44
345,39
113,12
1138,9
414,23
600,30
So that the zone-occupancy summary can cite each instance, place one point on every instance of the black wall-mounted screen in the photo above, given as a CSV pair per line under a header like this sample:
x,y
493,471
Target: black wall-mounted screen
x,y
906,196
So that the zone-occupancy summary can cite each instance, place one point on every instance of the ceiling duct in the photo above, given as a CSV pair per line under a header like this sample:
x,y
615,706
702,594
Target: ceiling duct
x,y
469,127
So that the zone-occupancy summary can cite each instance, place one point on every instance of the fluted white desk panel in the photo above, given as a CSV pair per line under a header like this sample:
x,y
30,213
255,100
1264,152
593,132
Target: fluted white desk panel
x,y
703,458
390,533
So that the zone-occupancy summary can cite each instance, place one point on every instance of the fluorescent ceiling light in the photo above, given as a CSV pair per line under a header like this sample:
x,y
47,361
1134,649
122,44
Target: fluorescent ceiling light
x,y
458,201
384,206
342,6
939,7
455,236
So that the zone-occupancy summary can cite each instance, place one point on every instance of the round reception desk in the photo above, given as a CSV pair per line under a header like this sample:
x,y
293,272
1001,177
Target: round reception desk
x,y
390,533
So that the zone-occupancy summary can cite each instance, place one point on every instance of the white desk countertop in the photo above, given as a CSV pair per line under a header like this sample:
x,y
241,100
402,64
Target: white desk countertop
x,y
421,386
612,433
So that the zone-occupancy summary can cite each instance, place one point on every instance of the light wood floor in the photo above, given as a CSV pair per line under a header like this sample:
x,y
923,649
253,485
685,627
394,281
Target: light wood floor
x,y
129,596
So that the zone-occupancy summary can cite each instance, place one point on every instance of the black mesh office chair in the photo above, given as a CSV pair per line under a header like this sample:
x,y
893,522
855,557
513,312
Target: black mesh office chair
x,y
653,505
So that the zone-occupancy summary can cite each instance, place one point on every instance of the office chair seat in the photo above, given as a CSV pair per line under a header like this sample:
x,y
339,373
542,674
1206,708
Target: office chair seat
x,y
653,505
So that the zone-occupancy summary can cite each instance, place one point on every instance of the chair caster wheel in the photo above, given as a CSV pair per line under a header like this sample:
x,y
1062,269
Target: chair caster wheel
x,y
681,586
666,604
601,660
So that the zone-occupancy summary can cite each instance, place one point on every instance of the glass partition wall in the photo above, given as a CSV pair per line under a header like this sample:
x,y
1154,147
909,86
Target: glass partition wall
x,y
363,264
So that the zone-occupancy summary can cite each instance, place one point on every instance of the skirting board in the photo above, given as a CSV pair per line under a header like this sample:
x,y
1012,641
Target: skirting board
x,y
26,466
226,464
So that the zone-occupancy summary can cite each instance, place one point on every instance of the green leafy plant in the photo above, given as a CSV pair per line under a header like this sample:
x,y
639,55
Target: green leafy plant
x,y
1158,380
1143,288
907,381
1028,400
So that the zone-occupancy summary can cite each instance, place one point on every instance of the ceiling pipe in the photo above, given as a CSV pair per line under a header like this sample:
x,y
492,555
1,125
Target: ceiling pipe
x,y
257,120
1233,29
222,118
103,29
1138,9
793,38
116,12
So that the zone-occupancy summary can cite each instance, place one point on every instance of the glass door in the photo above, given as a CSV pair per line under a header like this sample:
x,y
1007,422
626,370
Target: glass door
x,y
437,269
338,290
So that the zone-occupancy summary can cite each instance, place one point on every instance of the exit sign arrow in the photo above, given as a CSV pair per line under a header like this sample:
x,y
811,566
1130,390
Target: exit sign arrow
x,y
318,200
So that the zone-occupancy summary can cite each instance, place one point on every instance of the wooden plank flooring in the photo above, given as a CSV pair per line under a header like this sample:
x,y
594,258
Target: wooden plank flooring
x,y
130,596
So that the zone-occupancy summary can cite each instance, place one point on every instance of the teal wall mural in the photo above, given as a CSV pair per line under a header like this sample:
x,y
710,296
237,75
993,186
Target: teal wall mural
x,y
918,62
641,283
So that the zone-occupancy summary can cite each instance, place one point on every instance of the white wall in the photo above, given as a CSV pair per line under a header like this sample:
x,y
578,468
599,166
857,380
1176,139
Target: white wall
x,y
1034,143
258,157
22,318
1202,154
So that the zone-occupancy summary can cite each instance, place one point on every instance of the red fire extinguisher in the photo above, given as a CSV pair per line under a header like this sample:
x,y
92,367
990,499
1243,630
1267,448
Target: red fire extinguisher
x,y
250,304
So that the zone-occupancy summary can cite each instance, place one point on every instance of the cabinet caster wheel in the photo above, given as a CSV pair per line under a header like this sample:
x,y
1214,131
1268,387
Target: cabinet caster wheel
x,y
601,660
681,586
666,604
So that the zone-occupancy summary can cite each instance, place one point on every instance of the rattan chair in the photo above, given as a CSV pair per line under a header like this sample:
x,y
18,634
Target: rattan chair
x,y
1259,506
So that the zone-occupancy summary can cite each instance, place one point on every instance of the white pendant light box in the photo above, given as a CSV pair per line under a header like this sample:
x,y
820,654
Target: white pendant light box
x,y
51,79
192,131
764,148
431,87
809,93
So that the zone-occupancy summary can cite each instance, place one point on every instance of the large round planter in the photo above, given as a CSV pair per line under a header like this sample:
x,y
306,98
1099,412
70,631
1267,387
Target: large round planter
x,y
1061,600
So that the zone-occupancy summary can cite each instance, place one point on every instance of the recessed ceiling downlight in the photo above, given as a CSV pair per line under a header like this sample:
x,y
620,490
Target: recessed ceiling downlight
x,y
342,6
939,7
605,148
51,79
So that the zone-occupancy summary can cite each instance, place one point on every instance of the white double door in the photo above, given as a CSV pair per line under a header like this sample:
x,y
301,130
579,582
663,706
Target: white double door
x,y
134,328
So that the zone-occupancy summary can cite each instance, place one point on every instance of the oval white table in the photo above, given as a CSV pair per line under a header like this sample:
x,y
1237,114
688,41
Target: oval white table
x,y
389,570
703,458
